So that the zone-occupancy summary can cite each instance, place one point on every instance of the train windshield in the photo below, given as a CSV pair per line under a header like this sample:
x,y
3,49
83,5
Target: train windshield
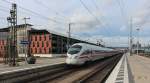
x,y
74,49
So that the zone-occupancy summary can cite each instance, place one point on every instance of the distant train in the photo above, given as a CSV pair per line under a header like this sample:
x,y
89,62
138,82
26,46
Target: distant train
x,y
81,53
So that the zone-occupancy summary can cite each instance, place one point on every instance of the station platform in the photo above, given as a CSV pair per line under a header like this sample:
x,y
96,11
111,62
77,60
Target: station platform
x,y
131,69
140,68
40,62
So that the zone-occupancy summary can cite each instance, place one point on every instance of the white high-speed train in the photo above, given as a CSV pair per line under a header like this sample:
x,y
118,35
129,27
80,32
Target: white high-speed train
x,y
81,53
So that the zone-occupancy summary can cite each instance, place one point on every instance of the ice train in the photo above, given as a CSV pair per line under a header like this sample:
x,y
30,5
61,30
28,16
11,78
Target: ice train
x,y
81,53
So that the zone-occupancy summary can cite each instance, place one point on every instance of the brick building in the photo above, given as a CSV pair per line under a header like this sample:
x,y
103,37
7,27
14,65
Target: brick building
x,y
45,43
40,42
21,34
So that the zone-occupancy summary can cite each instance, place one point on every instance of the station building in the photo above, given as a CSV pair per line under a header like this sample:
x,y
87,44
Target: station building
x,y
21,35
3,42
42,42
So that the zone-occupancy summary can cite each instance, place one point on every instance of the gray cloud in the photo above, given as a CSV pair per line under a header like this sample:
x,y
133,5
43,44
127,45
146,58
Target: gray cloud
x,y
142,15
83,21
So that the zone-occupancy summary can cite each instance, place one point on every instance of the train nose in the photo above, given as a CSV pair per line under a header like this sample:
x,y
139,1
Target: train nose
x,y
72,57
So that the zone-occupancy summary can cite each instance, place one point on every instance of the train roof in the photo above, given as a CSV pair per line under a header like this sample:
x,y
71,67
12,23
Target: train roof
x,y
93,46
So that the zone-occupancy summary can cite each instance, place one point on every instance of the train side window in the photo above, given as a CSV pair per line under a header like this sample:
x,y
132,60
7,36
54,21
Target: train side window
x,y
86,52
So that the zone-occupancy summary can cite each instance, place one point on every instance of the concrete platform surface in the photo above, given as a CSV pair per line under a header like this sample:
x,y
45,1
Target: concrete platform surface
x,y
120,72
140,68
39,63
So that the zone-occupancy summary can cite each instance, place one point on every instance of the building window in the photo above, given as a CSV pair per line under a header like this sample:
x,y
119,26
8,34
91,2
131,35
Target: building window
x,y
35,38
4,47
33,44
40,38
37,44
42,44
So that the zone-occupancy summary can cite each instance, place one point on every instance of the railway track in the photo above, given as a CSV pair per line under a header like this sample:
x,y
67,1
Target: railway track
x,y
96,72
28,75
100,74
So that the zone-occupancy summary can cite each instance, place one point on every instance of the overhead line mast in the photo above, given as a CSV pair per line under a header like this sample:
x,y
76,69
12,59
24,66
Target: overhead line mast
x,y
131,38
13,52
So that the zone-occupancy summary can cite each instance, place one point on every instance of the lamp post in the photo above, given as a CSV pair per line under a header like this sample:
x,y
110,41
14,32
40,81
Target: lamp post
x,y
25,47
130,38
138,40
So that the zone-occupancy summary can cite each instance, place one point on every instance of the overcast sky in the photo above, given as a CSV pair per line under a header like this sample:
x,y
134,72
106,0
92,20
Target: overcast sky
x,y
91,20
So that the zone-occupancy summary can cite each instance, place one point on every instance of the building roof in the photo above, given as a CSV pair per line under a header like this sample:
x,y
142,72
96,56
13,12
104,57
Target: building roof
x,y
35,31
22,25
18,26
61,34
4,29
